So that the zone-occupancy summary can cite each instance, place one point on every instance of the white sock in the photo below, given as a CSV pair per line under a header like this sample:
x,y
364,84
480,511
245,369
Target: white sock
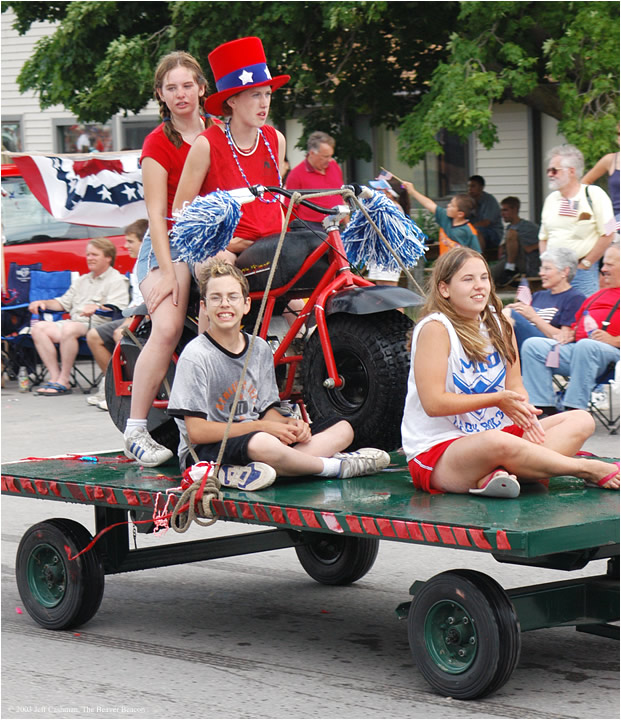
x,y
134,425
509,266
331,467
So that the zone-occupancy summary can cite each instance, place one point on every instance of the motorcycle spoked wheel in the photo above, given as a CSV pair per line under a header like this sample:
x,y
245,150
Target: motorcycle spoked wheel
x,y
371,356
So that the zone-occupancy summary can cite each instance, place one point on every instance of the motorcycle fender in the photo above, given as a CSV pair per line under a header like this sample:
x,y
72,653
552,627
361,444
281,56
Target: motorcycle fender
x,y
372,299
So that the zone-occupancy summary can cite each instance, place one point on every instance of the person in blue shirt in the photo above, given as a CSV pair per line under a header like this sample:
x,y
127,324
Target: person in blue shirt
x,y
553,309
486,217
455,228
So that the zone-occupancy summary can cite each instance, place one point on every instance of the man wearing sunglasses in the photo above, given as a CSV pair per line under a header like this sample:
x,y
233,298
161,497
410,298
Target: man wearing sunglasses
x,y
576,216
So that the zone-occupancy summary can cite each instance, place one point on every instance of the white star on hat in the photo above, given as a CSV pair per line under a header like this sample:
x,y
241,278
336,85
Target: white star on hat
x,y
268,74
245,77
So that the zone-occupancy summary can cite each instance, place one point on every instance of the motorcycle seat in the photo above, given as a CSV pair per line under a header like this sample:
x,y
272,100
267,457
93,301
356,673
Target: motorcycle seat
x,y
255,262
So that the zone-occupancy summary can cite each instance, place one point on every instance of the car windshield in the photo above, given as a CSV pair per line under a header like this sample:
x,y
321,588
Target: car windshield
x,y
25,220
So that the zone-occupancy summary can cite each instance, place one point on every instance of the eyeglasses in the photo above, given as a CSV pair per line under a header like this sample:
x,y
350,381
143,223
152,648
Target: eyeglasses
x,y
232,299
554,171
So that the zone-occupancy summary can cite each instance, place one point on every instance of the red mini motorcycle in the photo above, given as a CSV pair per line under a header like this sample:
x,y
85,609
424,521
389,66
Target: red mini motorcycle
x,y
344,355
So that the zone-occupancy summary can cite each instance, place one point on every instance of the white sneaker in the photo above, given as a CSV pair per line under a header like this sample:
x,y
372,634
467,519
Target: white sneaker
x,y
251,477
140,446
103,405
353,465
99,395
381,457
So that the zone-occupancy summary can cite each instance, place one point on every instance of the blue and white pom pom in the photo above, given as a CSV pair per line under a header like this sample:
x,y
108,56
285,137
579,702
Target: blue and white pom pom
x,y
205,226
364,246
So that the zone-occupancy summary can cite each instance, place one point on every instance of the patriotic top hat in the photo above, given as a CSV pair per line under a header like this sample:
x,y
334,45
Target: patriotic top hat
x,y
237,66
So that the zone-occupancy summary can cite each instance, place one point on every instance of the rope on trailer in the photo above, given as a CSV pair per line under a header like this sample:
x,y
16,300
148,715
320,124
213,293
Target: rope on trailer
x,y
199,495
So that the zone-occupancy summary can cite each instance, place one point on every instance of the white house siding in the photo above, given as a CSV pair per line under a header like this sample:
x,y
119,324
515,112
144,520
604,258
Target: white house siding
x,y
36,125
507,167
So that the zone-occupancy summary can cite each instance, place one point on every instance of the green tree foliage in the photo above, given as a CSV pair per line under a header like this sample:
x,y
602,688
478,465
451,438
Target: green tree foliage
x,y
417,66
345,59
561,58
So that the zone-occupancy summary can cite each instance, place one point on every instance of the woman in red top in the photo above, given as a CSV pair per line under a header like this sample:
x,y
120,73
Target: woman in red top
x,y
244,151
180,87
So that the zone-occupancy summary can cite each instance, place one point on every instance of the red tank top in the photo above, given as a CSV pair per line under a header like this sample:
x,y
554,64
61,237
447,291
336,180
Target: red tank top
x,y
258,219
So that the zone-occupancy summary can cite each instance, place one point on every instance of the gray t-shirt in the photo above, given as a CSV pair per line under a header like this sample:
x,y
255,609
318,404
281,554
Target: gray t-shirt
x,y
206,380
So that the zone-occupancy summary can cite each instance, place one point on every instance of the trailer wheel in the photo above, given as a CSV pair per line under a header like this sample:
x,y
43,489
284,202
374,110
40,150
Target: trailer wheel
x,y
59,593
371,357
337,559
464,634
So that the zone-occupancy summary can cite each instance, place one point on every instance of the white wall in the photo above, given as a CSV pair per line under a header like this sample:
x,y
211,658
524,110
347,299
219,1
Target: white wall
x,y
506,166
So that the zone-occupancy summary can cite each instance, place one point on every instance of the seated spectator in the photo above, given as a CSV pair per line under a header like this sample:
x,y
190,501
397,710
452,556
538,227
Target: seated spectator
x,y
102,339
521,245
455,229
553,309
395,191
486,215
103,285
583,353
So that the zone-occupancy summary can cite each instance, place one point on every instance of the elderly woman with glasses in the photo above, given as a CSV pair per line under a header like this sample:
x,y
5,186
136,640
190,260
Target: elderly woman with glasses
x,y
553,309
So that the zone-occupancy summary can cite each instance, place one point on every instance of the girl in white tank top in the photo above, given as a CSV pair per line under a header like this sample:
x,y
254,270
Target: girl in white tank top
x,y
468,425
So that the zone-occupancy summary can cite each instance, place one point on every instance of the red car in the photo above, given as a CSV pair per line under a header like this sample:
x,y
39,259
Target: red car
x,y
30,234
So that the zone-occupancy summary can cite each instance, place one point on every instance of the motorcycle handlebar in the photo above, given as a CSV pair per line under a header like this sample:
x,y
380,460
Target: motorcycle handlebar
x,y
256,190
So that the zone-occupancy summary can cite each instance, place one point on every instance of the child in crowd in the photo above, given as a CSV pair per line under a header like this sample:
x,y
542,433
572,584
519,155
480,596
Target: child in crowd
x,y
468,425
455,228
205,384
102,339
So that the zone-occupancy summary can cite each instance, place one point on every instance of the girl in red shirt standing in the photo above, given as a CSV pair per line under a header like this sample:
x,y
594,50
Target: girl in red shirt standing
x,y
244,150
180,88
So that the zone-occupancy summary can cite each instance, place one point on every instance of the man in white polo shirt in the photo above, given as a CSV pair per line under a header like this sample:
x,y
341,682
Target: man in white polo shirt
x,y
576,216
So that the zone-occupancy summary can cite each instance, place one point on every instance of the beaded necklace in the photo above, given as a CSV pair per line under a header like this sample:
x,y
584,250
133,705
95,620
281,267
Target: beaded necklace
x,y
229,138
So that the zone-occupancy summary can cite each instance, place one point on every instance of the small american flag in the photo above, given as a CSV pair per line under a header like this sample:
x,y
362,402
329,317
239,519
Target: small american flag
x,y
568,208
524,294
384,175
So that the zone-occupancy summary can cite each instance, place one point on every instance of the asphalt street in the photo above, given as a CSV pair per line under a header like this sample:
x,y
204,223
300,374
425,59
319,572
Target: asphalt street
x,y
253,636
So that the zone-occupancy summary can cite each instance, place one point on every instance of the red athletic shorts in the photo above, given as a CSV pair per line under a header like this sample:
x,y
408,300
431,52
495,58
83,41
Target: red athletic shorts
x,y
423,465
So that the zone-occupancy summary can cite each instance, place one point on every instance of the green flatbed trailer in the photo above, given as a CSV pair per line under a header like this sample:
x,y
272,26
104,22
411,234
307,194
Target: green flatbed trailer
x,y
464,628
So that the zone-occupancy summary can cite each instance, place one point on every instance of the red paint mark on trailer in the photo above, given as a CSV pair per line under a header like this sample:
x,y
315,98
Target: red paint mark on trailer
x,y
446,534
414,531
145,498
462,536
385,527
76,492
294,517
331,522
246,511
310,518
369,526
230,508
429,532
502,541
131,497
42,487
353,523
261,512
277,514
479,539
401,529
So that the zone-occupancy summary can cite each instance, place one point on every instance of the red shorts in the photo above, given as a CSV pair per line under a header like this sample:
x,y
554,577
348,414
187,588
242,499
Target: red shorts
x,y
423,465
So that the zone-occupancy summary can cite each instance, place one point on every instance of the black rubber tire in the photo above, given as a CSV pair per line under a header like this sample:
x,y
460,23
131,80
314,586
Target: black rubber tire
x,y
59,593
371,356
337,559
495,649
163,429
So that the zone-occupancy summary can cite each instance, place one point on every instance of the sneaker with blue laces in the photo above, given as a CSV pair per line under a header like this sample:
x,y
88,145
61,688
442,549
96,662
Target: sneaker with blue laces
x,y
140,446
251,477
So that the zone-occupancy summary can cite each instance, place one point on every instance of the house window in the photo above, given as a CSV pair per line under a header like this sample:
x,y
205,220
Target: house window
x,y
12,135
134,132
84,138
447,174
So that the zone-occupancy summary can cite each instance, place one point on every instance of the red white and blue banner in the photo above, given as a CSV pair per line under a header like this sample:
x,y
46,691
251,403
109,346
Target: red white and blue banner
x,y
104,190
